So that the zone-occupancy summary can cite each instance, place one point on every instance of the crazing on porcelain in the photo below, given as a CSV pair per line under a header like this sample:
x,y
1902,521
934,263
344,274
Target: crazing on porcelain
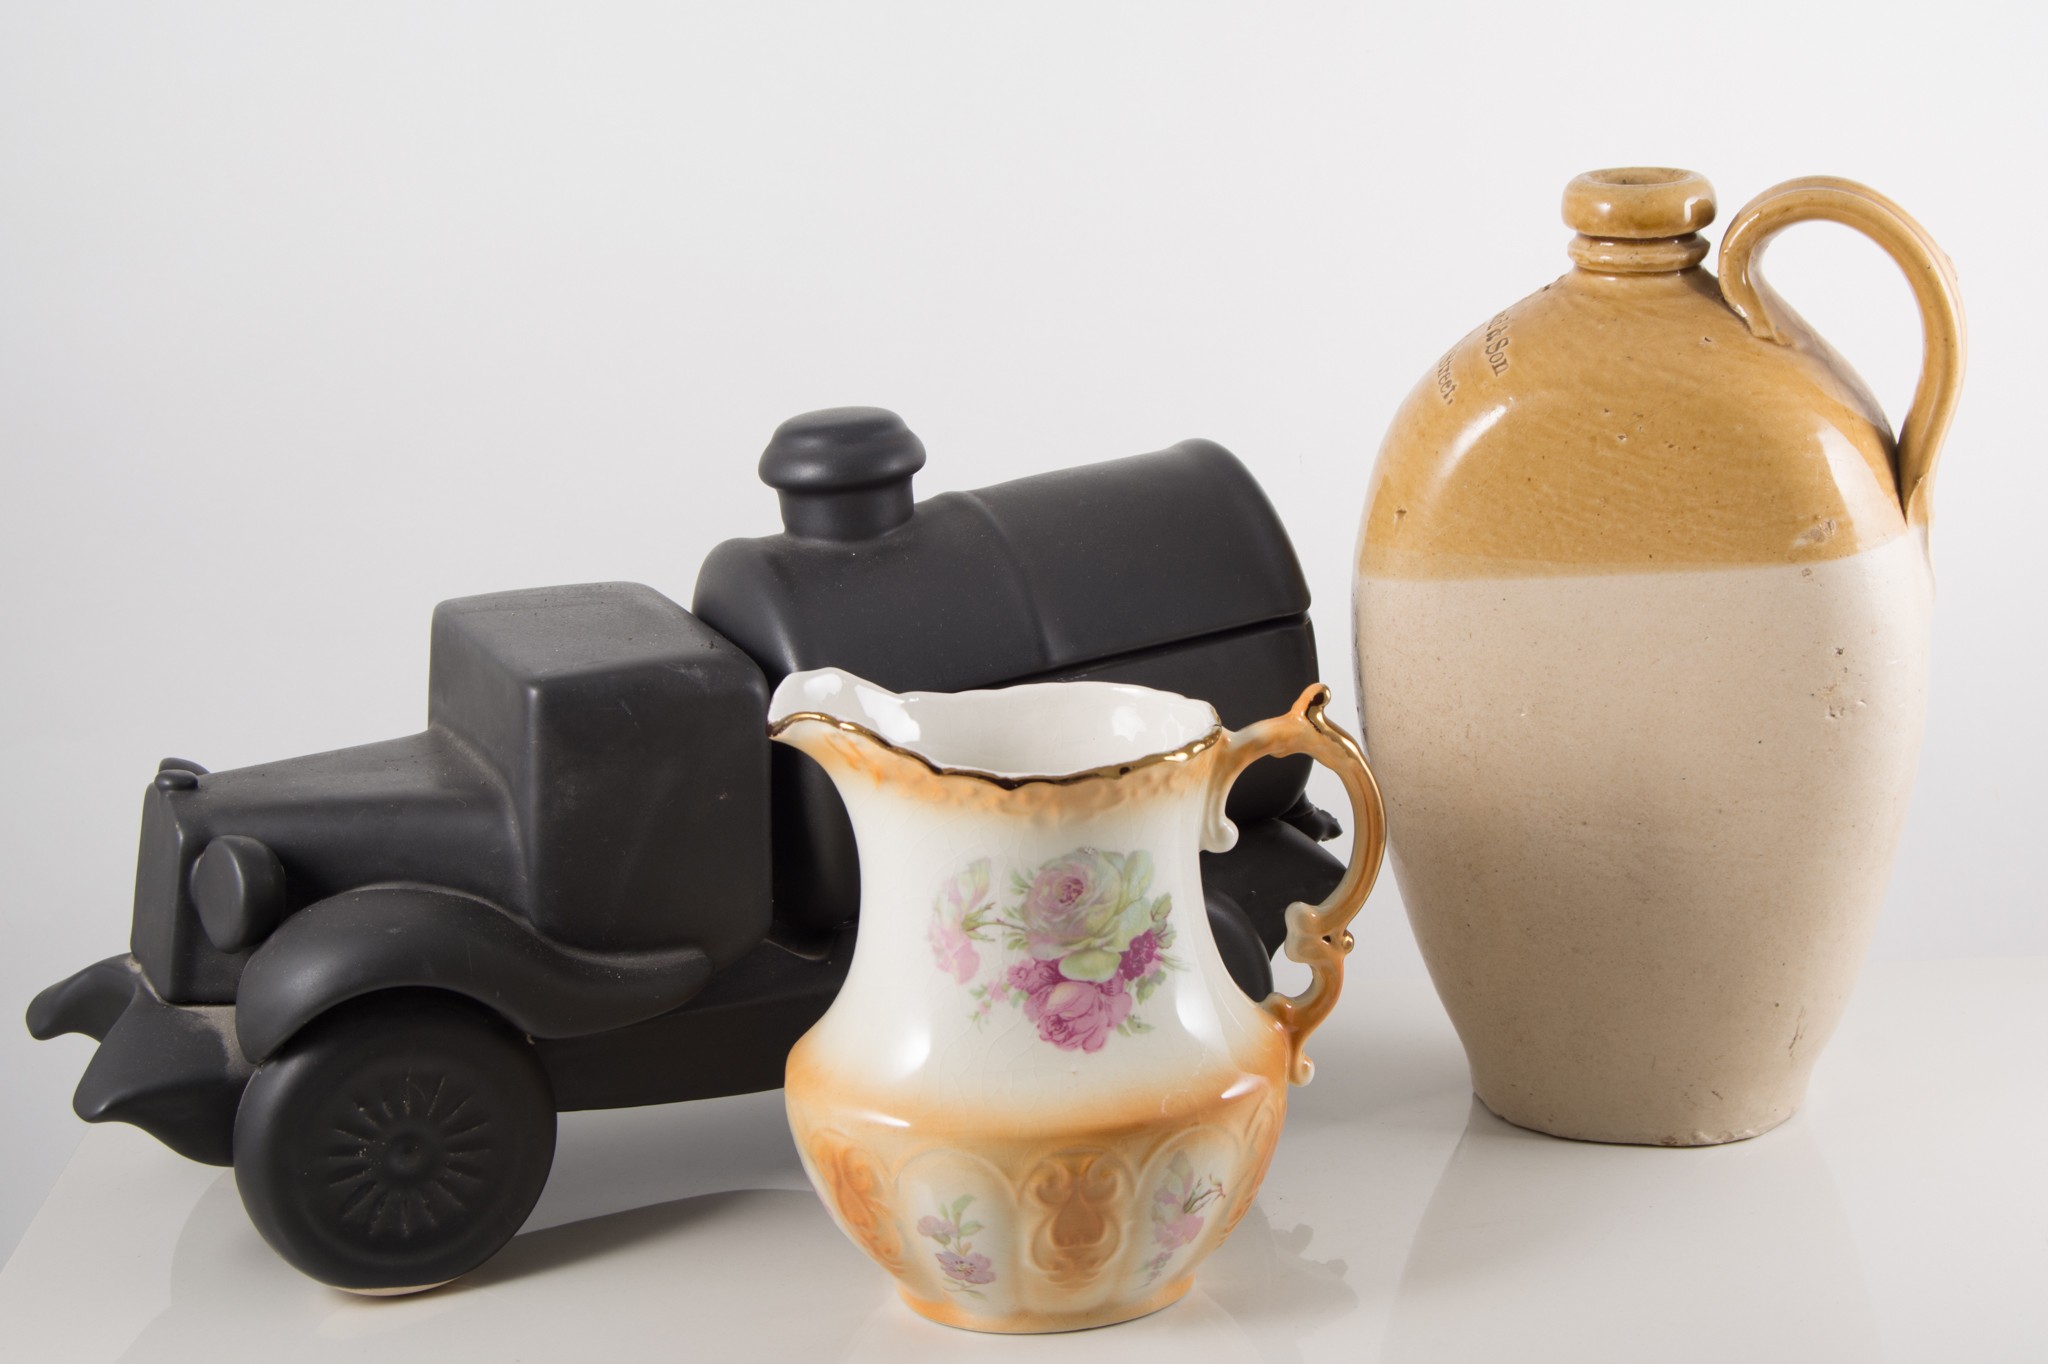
x,y
1039,1101
1081,943
1642,621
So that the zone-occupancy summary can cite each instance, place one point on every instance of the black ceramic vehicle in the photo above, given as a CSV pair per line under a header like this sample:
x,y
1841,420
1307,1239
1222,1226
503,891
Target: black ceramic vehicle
x,y
368,979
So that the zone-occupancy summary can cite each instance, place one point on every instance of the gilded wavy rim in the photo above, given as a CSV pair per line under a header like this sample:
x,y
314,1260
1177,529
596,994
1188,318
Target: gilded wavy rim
x,y
1187,752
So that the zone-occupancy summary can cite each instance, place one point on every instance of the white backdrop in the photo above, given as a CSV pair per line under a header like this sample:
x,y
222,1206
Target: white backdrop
x,y
312,316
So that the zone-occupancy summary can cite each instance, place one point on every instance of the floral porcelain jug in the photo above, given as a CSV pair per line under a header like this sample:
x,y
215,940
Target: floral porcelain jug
x,y
1642,618
1040,1100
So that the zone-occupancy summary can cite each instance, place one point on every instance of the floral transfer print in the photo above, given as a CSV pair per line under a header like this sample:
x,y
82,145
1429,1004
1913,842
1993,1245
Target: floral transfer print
x,y
955,919
1179,1210
1082,943
963,1266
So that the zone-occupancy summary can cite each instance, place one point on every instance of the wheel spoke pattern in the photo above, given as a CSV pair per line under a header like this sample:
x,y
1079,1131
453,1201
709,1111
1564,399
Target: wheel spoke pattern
x,y
396,1144
406,1156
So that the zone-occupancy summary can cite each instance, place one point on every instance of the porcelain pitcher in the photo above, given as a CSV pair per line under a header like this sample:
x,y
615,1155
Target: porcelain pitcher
x,y
1642,615
1040,1100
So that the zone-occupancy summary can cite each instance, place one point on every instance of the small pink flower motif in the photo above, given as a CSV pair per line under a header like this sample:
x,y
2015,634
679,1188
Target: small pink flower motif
x,y
1177,1231
1139,957
1078,1015
952,950
940,1229
971,1268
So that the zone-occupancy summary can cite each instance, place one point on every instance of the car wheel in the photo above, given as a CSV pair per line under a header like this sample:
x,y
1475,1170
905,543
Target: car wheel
x,y
397,1142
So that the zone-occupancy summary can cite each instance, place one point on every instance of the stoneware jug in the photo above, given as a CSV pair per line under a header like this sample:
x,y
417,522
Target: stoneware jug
x,y
1039,1100
1642,622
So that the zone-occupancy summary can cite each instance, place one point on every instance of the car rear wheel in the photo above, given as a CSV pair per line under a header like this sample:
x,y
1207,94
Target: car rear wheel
x,y
397,1142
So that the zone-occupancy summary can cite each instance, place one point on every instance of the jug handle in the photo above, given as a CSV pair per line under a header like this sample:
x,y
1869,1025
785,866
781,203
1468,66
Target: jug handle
x,y
1316,934
1927,268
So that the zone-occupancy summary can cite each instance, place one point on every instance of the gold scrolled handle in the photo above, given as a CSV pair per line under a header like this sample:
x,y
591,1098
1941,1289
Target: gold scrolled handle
x,y
1927,268
1317,935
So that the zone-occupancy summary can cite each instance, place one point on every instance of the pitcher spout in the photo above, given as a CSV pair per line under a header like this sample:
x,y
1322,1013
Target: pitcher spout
x,y
823,711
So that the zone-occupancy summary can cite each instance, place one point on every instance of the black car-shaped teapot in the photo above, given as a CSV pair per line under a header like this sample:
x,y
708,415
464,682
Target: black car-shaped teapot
x,y
369,979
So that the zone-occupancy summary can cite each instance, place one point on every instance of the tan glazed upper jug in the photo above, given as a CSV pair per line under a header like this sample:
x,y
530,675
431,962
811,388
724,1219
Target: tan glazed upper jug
x,y
1642,609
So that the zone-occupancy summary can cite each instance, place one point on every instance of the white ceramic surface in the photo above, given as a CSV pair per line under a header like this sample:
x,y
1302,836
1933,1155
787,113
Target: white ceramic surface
x,y
1399,1223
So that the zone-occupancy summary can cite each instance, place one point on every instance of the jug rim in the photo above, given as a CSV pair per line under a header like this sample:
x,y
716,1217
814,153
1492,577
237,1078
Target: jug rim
x,y
786,710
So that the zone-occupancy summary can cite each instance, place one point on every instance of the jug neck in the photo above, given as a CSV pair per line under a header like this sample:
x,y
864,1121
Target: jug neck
x,y
1638,220
1646,256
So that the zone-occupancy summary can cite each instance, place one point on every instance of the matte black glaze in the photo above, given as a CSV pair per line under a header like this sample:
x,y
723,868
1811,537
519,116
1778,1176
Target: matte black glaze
x,y
403,1111
238,889
386,937
843,473
587,884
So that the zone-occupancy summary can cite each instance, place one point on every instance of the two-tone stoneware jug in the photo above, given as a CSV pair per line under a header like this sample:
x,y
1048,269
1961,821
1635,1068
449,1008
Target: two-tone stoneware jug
x,y
1642,618
1040,1099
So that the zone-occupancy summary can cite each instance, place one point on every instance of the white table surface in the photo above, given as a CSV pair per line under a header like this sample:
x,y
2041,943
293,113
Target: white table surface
x,y
1902,1215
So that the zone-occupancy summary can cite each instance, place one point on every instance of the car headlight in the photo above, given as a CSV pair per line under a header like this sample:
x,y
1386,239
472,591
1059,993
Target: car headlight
x,y
238,886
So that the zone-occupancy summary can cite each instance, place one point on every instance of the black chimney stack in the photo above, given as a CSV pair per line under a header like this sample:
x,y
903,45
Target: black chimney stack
x,y
842,473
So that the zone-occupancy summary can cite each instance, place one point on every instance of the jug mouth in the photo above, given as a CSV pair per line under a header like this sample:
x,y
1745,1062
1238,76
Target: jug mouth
x,y
1053,732
1638,220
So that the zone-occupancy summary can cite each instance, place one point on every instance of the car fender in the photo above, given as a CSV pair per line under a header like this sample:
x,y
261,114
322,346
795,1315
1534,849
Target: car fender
x,y
396,936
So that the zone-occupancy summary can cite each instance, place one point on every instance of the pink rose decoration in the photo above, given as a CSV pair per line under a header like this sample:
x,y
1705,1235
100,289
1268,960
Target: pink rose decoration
x,y
1072,901
1033,977
1076,941
1078,1015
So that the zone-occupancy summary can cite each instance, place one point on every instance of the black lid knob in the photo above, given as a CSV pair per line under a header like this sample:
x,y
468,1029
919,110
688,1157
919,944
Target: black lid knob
x,y
843,473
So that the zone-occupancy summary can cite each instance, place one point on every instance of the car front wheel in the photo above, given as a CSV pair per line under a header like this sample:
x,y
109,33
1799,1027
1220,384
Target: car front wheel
x,y
397,1142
